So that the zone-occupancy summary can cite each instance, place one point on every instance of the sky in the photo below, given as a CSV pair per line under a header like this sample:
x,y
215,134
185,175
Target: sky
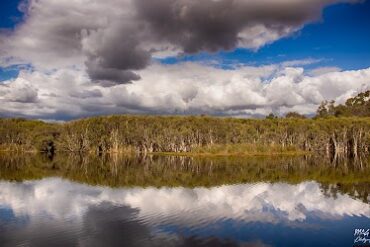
x,y
67,59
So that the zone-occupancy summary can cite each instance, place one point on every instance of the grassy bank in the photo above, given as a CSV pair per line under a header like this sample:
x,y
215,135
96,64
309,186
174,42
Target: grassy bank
x,y
239,150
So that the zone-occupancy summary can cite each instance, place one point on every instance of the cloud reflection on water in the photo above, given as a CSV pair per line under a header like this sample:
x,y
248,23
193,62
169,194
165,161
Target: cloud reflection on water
x,y
54,205
59,198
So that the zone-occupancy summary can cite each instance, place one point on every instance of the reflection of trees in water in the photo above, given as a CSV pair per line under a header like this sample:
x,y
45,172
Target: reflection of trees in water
x,y
350,176
354,190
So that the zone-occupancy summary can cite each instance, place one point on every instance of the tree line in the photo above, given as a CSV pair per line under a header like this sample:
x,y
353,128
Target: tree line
x,y
328,132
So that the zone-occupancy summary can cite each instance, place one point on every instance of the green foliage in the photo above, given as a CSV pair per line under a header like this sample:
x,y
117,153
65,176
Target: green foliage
x,y
357,106
245,150
186,134
26,135
294,115
150,134
271,116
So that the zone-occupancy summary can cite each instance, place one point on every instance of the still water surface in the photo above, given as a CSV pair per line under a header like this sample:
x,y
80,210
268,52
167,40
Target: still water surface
x,y
178,201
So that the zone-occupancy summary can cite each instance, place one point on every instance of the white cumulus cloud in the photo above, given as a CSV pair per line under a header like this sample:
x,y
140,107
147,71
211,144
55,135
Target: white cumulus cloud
x,y
185,88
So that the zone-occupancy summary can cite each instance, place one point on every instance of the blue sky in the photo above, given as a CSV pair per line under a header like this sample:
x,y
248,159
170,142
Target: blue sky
x,y
9,14
9,17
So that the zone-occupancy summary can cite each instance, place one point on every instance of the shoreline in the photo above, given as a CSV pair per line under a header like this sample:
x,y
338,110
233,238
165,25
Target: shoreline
x,y
256,154
181,154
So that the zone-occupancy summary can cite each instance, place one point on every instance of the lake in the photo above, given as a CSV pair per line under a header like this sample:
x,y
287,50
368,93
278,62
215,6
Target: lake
x,y
73,200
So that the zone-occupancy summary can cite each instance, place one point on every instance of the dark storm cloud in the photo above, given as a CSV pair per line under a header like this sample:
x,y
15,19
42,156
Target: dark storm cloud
x,y
194,26
114,39
105,75
213,25
114,57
